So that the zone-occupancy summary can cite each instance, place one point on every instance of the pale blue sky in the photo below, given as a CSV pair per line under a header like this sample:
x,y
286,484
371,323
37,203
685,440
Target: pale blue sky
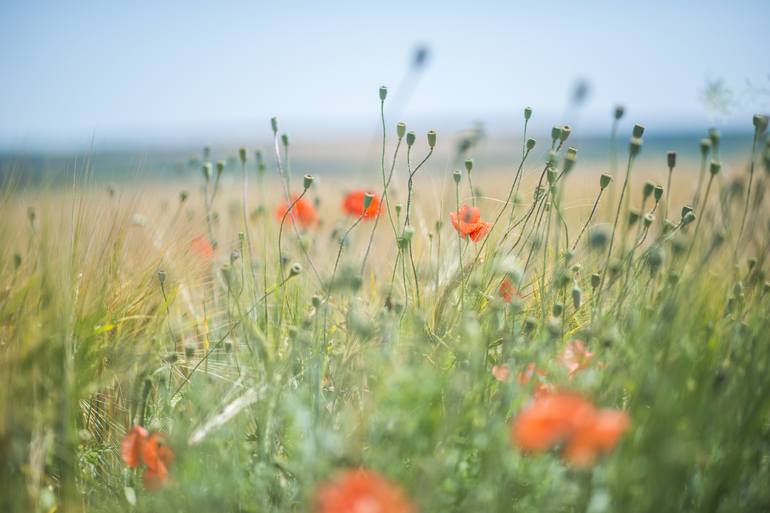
x,y
150,72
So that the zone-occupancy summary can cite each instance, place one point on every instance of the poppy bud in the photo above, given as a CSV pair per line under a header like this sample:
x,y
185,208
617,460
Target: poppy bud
x,y
557,309
648,220
182,196
658,193
307,181
714,136
162,276
274,125
400,129
530,324
189,350
207,171
569,159
633,217
555,133
671,159
527,113
655,258
715,167
315,301
383,93
565,131
604,180
647,189
432,138
206,152
638,131
685,209
220,167
285,139
242,155
760,124
457,175
598,237
635,146
595,280
468,165
408,233
368,197
551,175
576,297
688,218
296,268
399,207
410,138
705,146
530,144
619,111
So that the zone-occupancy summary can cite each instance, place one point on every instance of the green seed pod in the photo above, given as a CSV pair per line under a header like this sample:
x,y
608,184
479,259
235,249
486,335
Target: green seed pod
x,y
688,218
410,138
685,209
189,349
400,129
635,146
760,124
260,161
658,193
207,171
648,220
638,131
307,181
296,268
162,276
432,138
274,125
457,175
655,258
596,279
647,189
705,146
671,159
530,144
220,167
530,324
527,113
368,197
715,167
555,133
557,309
383,93
242,155
566,130
315,301
633,217
16,260
399,207
469,165
714,135
604,180
619,111
598,237
285,140
554,328
206,152
551,175
569,159
408,233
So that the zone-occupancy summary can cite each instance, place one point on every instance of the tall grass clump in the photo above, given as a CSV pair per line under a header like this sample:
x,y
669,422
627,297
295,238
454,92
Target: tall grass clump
x,y
564,341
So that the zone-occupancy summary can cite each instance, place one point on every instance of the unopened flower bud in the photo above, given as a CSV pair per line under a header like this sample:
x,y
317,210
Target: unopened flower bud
x,y
596,279
577,296
647,189
527,113
368,197
530,144
638,131
383,93
658,193
274,125
469,165
457,175
604,180
307,181
715,167
619,111
565,131
410,138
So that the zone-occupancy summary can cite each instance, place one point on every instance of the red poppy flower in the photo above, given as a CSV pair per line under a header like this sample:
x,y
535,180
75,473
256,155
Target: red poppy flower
x,y
202,247
576,356
467,221
353,204
303,211
131,446
596,437
362,491
531,371
507,290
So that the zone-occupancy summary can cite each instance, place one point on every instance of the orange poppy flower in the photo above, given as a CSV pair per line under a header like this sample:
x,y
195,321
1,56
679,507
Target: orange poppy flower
x,y
303,211
353,204
576,356
507,290
131,446
202,247
550,419
467,221
158,457
359,491
596,437
501,372
531,371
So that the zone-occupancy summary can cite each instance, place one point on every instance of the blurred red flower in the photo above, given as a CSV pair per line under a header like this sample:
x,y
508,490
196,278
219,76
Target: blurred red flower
x,y
202,247
353,204
467,221
303,211
576,356
361,491
151,450
507,289
531,371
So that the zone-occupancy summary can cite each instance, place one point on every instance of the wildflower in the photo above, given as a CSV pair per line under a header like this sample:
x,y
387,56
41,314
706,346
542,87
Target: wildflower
x,y
507,289
353,204
467,221
361,491
138,445
501,372
303,211
576,356
202,247
596,437
531,371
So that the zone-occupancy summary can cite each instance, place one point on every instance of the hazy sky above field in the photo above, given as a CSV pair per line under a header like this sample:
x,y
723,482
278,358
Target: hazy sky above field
x,y
151,72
